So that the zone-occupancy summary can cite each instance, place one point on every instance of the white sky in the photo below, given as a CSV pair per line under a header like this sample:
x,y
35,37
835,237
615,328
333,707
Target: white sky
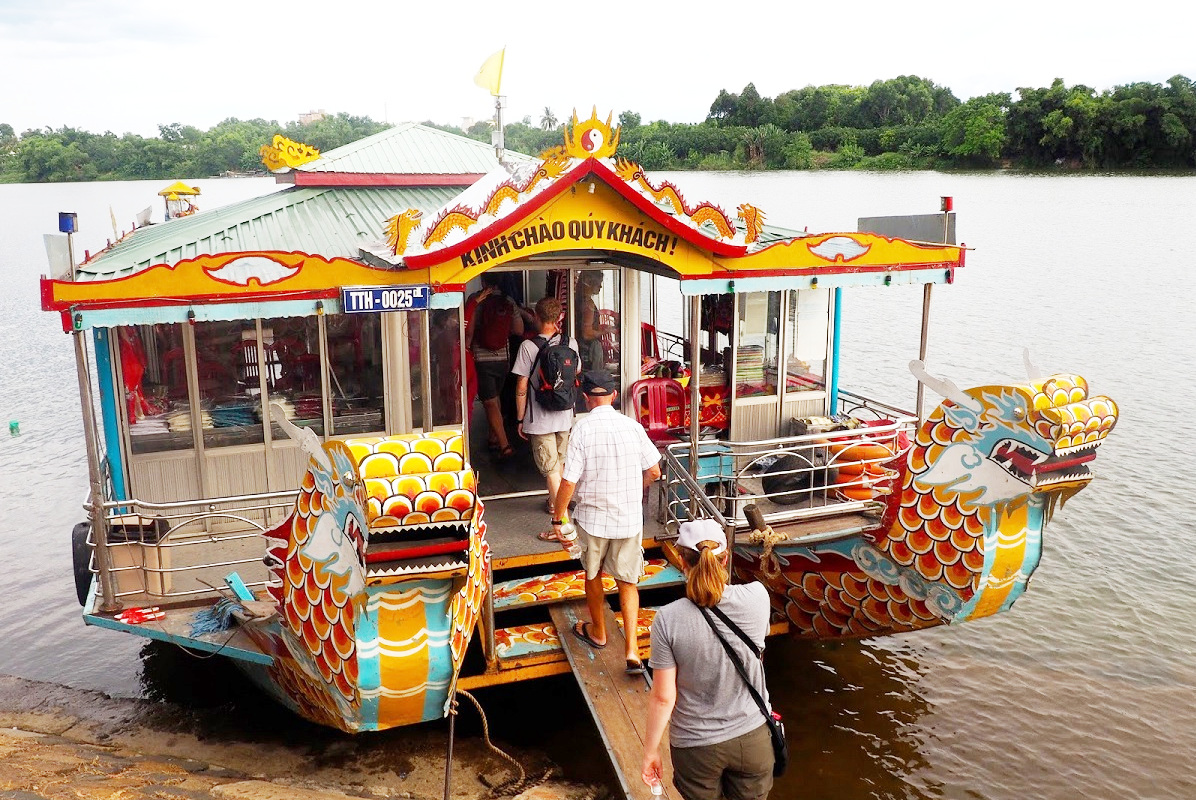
x,y
129,65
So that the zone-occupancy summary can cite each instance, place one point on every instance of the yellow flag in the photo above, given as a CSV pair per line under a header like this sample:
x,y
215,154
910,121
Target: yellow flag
x,y
490,75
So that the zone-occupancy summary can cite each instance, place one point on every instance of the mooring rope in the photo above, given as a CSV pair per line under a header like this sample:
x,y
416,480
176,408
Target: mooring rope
x,y
770,567
518,784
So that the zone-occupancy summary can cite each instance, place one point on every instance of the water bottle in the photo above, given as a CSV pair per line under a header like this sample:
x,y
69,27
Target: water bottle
x,y
569,536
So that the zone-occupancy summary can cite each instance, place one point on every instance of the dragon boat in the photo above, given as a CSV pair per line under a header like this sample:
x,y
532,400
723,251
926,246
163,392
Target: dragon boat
x,y
285,470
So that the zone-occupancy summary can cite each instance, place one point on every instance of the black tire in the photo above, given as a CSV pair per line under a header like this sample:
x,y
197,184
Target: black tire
x,y
81,559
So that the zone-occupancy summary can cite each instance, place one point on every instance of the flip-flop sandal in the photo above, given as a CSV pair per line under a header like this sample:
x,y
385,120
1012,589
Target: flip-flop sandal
x,y
506,454
635,667
580,631
548,536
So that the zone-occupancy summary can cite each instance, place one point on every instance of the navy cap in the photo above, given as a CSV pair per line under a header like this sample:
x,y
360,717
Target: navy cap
x,y
597,382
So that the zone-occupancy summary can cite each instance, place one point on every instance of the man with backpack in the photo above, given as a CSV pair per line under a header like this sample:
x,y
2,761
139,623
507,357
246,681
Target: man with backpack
x,y
546,370
486,336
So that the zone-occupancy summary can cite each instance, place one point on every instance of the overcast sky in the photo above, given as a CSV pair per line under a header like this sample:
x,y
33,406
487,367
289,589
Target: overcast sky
x,y
128,66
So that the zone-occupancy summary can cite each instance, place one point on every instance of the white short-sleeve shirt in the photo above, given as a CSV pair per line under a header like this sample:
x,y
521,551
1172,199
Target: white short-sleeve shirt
x,y
608,453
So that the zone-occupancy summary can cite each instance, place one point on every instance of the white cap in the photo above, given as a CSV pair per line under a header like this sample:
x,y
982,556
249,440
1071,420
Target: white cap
x,y
702,530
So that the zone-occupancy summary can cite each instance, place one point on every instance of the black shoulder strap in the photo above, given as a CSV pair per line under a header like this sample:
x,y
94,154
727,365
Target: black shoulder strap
x,y
542,344
718,612
735,660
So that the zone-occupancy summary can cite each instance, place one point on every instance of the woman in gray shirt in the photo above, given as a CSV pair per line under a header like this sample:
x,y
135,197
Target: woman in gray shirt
x,y
718,739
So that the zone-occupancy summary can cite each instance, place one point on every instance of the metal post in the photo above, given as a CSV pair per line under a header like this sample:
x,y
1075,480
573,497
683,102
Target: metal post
x,y
448,761
425,368
947,204
695,396
922,344
99,519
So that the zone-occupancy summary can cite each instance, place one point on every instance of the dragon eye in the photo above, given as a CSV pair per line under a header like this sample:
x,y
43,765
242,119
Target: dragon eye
x,y
349,479
1019,413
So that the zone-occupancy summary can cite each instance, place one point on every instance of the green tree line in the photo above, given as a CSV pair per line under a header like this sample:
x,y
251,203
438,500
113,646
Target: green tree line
x,y
901,123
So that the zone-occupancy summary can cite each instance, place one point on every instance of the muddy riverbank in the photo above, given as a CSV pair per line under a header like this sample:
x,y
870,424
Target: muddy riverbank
x,y
61,742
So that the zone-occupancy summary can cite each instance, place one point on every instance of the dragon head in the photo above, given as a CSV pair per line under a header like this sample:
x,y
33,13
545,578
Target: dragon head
x,y
1012,442
398,229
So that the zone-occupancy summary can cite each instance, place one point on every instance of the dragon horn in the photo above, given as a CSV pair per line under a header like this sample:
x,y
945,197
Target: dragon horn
x,y
1032,370
308,441
943,386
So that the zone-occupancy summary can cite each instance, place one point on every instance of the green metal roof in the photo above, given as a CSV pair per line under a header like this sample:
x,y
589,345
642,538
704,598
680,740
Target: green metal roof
x,y
329,221
410,148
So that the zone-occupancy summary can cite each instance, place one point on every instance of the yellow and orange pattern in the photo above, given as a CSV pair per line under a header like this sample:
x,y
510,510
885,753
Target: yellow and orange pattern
x,y
415,479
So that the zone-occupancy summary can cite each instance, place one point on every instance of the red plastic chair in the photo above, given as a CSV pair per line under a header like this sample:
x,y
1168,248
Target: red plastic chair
x,y
653,399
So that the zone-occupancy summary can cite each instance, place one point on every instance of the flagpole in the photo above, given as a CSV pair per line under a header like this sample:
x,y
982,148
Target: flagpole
x,y
499,131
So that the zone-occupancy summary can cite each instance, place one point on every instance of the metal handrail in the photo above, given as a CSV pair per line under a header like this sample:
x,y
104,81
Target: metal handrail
x,y
715,489
217,522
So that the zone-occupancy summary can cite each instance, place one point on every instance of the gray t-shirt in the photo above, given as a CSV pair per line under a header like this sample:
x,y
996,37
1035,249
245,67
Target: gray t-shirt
x,y
536,418
713,704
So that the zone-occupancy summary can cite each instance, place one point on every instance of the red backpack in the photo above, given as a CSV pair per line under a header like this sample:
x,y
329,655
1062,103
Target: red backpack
x,y
494,322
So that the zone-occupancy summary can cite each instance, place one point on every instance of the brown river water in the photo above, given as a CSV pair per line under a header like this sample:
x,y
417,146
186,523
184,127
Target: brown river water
x,y
1087,688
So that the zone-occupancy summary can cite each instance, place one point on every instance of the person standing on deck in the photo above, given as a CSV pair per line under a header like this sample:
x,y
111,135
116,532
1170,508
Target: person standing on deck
x,y
720,743
609,463
546,429
487,336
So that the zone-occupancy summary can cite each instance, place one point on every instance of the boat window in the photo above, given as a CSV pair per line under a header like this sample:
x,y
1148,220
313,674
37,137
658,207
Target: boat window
x,y
355,373
446,366
229,362
806,340
291,346
757,344
597,298
154,374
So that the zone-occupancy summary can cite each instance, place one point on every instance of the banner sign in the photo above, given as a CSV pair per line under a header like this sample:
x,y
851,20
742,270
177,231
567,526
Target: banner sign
x,y
373,299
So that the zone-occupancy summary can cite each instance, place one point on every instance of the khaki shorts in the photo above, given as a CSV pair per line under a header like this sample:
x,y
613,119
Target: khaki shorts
x,y
548,451
622,559
737,769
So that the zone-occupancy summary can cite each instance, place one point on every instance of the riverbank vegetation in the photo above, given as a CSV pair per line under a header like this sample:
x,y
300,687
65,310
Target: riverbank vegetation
x,y
900,123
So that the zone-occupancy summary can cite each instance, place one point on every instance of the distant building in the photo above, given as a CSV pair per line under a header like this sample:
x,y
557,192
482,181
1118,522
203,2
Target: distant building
x,y
312,116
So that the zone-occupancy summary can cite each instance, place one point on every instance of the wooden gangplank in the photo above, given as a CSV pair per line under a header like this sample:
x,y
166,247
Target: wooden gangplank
x,y
617,701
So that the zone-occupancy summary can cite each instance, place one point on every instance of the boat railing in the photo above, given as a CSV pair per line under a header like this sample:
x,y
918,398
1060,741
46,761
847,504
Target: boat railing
x,y
791,479
178,551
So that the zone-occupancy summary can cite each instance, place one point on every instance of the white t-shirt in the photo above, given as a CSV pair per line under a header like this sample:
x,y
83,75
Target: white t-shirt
x,y
536,418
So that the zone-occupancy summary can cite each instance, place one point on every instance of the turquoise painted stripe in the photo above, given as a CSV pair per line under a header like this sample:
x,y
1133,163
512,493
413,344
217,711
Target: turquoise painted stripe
x,y
369,669
439,624
913,277
111,317
1035,521
108,415
447,300
150,632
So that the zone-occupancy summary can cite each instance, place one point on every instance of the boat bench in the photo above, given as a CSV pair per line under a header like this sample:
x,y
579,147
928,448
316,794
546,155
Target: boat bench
x,y
421,499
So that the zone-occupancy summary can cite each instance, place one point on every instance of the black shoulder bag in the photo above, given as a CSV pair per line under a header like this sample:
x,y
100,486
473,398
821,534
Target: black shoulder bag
x,y
776,728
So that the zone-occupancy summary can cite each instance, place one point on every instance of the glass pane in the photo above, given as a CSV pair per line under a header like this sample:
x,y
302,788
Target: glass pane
x,y
155,382
756,348
446,366
292,348
598,299
355,365
227,359
806,345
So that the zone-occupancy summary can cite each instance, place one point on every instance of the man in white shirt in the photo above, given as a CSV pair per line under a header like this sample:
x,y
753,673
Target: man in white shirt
x,y
547,430
609,462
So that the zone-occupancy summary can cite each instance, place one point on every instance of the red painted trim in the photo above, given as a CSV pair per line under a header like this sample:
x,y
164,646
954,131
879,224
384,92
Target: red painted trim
x,y
68,325
372,179
394,553
205,299
577,174
46,290
667,220
502,223
797,272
